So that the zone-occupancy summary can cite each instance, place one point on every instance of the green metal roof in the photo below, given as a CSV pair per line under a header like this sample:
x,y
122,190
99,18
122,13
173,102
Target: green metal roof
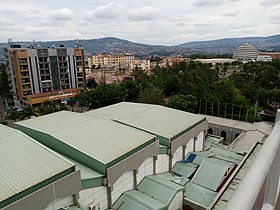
x,y
154,192
200,156
226,154
163,149
162,121
94,141
212,139
137,201
90,178
198,194
184,169
162,190
211,173
230,189
26,165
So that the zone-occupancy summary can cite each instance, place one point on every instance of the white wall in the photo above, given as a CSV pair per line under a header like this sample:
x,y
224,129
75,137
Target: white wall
x,y
123,184
145,169
178,155
162,163
97,195
60,203
189,146
199,141
177,203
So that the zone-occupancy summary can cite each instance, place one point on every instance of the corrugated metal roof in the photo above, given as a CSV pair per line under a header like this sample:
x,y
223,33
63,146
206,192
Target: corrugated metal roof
x,y
89,177
151,186
199,156
184,169
211,173
226,154
211,139
137,201
198,194
25,163
99,138
155,119
230,189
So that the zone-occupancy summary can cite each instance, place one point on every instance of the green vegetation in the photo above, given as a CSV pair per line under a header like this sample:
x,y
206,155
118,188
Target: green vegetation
x,y
196,87
193,87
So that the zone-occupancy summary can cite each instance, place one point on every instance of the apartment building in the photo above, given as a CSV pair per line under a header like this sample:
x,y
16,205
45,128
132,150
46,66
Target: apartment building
x,y
48,73
143,64
112,61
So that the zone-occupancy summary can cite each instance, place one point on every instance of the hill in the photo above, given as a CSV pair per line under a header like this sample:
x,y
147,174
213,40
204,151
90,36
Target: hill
x,y
229,45
113,45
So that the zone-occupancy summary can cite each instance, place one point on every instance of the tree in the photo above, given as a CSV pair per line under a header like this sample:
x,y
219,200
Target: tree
x,y
27,112
183,102
223,90
131,90
5,92
91,83
151,95
72,102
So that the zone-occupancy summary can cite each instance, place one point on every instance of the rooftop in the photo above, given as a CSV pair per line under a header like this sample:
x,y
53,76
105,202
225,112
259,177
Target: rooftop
x,y
155,119
85,138
26,164
264,127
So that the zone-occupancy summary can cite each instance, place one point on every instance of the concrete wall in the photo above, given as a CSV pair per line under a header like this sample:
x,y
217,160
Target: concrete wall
x,y
178,155
97,196
230,133
199,143
123,184
44,197
162,163
60,203
145,169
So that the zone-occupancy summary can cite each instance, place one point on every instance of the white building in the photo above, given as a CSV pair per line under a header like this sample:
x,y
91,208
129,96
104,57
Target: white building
x,y
264,58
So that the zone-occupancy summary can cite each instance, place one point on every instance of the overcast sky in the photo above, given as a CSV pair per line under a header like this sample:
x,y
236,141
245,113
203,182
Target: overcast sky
x,y
166,22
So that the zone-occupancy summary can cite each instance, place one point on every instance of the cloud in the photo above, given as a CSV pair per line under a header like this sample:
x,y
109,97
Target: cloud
x,y
108,11
270,3
144,13
230,14
205,3
63,14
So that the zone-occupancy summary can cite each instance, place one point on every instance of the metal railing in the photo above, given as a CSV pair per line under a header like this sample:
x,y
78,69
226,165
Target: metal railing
x,y
266,167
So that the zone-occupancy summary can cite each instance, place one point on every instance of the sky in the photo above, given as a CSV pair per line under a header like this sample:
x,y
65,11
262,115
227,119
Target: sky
x,y
164,22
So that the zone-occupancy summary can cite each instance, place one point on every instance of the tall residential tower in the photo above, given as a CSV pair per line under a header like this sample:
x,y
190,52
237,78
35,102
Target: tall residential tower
x,y
41,74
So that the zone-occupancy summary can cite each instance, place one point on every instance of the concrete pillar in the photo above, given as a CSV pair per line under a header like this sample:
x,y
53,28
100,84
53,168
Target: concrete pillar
x,y
170,162
184,152
135,172
194,142
154,165
109,196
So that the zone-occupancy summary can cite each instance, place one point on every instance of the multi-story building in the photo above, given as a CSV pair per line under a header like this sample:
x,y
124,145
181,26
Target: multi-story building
x,y
45,72
170,61
264,58
246,52
112,61
143,64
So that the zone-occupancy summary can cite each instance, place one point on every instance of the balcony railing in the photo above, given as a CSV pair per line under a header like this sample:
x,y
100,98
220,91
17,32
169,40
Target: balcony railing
x,y
265,169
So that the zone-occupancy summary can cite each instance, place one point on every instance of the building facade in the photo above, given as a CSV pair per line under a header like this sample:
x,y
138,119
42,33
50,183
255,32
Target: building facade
x,y
36,71
246,52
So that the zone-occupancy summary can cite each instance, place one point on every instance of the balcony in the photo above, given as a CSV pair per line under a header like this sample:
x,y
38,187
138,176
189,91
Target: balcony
x,y
262,178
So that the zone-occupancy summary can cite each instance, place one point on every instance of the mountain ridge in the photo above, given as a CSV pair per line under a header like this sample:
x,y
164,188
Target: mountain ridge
x,y
113,45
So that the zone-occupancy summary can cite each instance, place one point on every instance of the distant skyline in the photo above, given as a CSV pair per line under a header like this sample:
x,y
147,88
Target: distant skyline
x,y
145,21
